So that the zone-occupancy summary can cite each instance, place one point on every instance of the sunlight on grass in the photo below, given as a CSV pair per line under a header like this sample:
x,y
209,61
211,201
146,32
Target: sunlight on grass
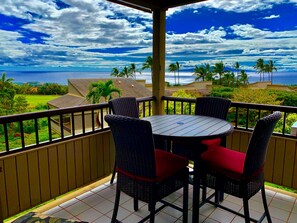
x,y
281,187
35,100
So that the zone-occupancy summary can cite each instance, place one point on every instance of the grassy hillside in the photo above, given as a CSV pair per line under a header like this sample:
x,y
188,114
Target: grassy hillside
x,y
35,100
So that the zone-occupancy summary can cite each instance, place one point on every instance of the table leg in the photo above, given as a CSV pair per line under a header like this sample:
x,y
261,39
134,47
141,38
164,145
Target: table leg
x,y
196,193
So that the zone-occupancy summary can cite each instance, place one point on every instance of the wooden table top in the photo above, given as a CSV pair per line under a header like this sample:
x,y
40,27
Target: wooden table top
x,y
189,126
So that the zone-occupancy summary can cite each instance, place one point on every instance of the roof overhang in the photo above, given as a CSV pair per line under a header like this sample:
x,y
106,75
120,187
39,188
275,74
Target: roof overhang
x,y
151,5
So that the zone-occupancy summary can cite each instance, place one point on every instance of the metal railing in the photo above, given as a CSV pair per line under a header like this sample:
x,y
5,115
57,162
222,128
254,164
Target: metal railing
x,y
52,126
56,125
242,115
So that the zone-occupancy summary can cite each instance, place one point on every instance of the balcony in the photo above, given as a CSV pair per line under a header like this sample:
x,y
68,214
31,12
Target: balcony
x,y
78,151
94,203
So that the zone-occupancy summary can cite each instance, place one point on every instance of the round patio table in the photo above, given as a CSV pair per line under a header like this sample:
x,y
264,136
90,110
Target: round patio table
x,y
186,128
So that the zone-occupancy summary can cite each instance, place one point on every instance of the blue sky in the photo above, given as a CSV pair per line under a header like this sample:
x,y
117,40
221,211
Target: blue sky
x,y
97,35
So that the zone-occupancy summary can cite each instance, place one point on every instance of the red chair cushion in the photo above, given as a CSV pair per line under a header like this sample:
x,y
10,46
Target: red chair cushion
x,y
224,159
212,142
167,164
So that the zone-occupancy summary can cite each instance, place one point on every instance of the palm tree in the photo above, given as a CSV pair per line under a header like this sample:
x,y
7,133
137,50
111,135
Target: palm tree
x,y
125,72
7,93
229,78
102,89
209,72
260,67
237,66
244,79
178,66
173,68
271,68
133,70
148,64
266,70
5,83
115,72
201,72
219,68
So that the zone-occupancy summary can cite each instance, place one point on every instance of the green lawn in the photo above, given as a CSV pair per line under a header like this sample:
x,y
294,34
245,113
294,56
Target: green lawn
x,y
35,100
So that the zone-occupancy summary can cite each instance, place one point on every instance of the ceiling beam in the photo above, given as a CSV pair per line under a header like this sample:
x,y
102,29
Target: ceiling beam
x,y
175,3
151,5
139,5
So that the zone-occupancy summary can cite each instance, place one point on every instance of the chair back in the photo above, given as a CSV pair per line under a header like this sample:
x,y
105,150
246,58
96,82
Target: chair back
x,y
258,144
125,106
134,146
212,106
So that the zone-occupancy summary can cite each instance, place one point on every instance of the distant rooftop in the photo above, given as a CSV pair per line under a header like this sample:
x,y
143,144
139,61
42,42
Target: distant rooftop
x,y
79,88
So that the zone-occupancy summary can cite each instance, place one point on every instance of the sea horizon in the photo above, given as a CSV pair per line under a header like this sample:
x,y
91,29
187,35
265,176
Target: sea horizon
x,y
61,77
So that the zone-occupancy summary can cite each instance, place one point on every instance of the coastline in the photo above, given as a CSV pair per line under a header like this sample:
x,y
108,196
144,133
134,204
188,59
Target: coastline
x,y
61,77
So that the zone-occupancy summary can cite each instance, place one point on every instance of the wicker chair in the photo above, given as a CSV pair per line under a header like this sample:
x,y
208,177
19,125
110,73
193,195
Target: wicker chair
x,y
214,107
126,106
240,174
145,173
208,106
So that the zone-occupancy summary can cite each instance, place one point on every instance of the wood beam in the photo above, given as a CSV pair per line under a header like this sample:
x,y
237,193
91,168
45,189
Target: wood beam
x,y
158,74
176,3
139,5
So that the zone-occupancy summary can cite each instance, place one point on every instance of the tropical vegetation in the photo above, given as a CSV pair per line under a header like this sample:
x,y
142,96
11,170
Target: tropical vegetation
x,y
175,68
129,71
263,68
148,64
102,89
222,75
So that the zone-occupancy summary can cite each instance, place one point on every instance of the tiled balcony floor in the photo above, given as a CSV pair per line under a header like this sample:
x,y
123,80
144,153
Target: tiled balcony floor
x,y
96,205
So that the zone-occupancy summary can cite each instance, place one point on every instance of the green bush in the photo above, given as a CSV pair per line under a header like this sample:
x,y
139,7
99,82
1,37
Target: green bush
x,y
225,92
290,120
40,106
289,98
178,105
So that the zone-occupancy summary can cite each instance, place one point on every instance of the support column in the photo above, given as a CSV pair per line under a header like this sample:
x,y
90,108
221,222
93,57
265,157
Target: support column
x,y
158,74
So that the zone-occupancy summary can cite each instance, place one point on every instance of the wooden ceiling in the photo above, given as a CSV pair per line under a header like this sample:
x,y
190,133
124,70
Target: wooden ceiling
x,y
151,5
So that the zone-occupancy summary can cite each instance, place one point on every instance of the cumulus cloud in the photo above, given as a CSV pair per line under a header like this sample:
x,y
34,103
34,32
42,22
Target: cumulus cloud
x,y
74,31
237,6
204,36
272,17
248,31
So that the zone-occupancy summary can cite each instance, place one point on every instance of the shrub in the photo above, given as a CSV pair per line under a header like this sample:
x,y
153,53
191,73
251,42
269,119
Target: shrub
x,y
289,98
186,106
225,92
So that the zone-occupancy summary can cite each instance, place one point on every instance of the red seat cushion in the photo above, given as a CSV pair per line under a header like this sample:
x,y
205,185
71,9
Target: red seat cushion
x,y
224,159
167,164
212,142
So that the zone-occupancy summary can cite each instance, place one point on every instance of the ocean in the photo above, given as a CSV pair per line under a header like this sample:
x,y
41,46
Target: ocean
x,y
284,78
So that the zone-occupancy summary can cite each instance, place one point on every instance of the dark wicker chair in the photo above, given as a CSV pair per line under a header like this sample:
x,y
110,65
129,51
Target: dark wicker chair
x,y
214,107
208,106
125,106
240,174
145,173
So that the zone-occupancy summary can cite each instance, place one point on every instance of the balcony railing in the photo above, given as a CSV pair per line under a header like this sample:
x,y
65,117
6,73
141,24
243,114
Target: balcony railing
x,y
242,115
72,147
56,125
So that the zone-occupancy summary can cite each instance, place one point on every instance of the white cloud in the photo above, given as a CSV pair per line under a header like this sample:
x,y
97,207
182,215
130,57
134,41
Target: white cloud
x,y
99,24
23,9
272,17
237,6
248,31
